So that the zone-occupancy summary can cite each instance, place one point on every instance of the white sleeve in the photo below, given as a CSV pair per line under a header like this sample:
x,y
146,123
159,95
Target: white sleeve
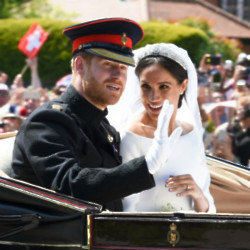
x,y
133,146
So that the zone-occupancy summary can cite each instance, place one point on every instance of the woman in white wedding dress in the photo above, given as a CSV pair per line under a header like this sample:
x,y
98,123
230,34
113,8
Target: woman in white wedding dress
x,y
165,72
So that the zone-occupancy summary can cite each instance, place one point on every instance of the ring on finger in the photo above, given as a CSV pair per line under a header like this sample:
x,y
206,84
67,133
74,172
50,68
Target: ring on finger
x,y
188,187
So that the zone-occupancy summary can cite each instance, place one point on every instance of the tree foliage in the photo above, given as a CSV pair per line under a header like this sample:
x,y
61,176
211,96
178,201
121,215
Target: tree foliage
x,y
54,57
6,6
33,9
217,43
192,39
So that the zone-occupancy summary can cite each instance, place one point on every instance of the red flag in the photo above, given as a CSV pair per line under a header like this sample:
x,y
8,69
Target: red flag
x,y
33,40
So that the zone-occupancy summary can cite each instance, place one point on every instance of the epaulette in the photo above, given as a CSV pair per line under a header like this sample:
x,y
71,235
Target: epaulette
x,y
57,106
60,107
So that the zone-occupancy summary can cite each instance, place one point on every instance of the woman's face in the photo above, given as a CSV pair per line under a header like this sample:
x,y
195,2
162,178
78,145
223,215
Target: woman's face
x,y
157,85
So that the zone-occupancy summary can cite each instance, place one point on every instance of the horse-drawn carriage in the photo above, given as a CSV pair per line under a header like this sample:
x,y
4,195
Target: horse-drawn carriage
x,y
35,216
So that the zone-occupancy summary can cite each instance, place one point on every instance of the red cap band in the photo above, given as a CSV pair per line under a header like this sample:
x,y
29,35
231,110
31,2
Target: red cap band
x,y
104,38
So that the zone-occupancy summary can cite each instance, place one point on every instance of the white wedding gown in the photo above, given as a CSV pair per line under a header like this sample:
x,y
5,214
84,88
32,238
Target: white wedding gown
x,y
186,158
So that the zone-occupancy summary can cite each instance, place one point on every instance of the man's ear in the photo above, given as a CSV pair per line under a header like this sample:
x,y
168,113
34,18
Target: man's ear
x,y
80,65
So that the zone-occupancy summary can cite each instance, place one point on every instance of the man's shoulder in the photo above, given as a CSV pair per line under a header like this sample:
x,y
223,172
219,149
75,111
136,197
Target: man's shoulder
x,y
56,104
53,112
50,108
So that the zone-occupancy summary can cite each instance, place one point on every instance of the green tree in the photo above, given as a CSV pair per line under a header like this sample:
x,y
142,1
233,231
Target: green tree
x,y
20,9
53,59
194,40
7,5
217,44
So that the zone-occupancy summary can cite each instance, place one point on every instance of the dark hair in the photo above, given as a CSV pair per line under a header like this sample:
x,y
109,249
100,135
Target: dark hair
x,y
176,70
247,111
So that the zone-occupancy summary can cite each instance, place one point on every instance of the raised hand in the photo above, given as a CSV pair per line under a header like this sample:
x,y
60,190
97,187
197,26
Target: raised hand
x,y
163,144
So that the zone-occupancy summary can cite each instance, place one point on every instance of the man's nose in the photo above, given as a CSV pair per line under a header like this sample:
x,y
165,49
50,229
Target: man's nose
x,y
116,71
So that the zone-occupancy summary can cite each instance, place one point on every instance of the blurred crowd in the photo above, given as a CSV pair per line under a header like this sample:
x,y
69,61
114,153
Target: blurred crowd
x,y
18,101
224,100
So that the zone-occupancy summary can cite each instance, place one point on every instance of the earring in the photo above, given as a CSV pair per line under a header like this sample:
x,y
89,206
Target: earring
x,y
182,93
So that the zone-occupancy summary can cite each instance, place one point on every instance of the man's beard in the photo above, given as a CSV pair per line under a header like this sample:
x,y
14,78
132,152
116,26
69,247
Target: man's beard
x,y
96,93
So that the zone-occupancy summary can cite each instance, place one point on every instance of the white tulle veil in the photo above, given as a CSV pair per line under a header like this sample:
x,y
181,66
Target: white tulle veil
x,y
130,103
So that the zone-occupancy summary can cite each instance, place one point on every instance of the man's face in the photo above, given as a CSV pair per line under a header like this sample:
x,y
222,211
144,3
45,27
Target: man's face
x,y
241,111
11,124
4,97
31,104
103,82
3,77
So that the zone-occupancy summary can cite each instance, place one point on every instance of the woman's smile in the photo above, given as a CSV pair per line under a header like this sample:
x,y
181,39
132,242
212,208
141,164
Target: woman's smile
x,y
155,108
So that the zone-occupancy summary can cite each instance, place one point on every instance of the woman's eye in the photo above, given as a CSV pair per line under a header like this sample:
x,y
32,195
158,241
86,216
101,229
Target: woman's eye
x,y
145,86
164,86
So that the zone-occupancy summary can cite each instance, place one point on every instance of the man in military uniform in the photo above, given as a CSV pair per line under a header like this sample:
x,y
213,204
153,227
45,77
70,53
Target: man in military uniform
x,y
67,144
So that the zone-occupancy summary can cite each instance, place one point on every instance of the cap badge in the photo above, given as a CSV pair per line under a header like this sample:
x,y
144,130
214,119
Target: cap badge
x,y
124,39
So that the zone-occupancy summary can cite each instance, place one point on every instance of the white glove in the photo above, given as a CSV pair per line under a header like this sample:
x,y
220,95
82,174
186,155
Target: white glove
x,y
163,144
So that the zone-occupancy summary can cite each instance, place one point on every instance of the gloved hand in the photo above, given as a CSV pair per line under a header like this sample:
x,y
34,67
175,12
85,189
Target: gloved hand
x,y
163,144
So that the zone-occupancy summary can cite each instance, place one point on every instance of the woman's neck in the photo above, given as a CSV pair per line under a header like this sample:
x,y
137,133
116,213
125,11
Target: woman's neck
x,y
150,123
146,120
146,127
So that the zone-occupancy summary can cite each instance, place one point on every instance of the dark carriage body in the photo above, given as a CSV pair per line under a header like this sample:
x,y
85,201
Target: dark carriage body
x,y
228,229
170,230
34,216
31,216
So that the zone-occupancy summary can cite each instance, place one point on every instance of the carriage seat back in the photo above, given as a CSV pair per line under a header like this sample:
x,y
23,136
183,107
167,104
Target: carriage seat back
x,y
7,141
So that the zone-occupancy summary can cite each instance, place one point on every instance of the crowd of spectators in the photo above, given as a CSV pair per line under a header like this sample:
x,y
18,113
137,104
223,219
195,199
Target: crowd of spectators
x,y
18,101
224,99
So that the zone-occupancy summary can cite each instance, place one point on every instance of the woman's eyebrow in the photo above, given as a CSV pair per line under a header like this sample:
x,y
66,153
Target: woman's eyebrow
x,y
164,82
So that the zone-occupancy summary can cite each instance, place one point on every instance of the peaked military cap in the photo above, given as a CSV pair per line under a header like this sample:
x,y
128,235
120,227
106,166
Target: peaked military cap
x,y
110,38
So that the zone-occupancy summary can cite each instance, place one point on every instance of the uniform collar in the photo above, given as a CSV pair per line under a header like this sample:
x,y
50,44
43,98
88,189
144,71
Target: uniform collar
x,y
82,108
